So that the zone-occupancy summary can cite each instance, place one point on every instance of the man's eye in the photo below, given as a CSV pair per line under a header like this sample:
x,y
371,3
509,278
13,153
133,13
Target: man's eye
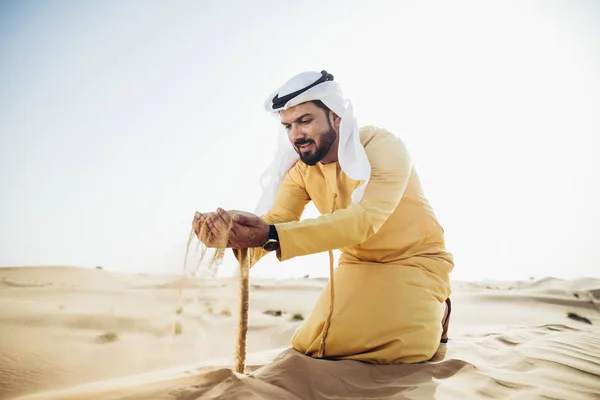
x,y
306,121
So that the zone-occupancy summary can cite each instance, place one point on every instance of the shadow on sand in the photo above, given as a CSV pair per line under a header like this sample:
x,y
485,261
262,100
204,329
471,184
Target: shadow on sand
x,y
293,375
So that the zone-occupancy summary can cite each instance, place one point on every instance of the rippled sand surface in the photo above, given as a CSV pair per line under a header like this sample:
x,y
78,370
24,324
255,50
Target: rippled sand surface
x,y
73,333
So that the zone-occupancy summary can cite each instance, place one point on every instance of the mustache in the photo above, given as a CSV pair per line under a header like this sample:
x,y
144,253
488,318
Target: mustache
x,y
303,142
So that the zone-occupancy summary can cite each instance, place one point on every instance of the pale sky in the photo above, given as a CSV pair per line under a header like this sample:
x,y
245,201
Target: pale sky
x,y
119,119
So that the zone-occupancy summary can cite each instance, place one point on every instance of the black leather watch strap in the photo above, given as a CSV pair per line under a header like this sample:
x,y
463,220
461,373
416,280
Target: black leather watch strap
x,y
272,242
273,233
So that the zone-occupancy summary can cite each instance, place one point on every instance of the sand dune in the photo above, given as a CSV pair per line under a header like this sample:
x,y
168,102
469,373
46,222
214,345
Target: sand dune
x,y
74,333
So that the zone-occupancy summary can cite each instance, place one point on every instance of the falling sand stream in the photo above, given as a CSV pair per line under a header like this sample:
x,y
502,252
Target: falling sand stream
x,y
244,263
244,257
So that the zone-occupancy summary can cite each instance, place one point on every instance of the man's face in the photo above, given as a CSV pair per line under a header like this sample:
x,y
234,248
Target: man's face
x,y
311,132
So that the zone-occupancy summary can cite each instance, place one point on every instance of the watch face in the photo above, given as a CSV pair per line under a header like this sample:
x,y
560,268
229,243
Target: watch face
x,y
271,245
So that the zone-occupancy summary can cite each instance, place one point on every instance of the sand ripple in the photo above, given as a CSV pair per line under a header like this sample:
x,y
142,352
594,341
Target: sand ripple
x,y
512,342
543,362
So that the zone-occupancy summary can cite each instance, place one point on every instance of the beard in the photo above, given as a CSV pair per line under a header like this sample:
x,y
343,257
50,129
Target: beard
x,y
316,152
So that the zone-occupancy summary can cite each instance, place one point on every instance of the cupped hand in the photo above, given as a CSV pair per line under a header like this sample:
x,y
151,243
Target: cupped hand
x,y
233,229
211,229
247,229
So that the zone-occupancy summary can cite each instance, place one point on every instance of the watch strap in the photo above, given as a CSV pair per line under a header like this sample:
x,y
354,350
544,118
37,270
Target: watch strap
x,y
273,233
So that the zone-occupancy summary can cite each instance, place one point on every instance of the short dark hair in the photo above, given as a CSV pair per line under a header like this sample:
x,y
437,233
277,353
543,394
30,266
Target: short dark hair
x,y
322,106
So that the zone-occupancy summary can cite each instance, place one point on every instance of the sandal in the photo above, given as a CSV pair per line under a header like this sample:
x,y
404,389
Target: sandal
x,y
446,321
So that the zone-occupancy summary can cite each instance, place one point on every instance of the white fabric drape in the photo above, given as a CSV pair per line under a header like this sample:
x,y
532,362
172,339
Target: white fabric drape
x,y
351,153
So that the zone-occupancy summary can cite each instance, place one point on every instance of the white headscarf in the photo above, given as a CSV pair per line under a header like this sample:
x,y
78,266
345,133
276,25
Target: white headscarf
x,y
351,153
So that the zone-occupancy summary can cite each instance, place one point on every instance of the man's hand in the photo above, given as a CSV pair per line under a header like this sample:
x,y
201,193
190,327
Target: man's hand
x,y
210,229
247,230
235,229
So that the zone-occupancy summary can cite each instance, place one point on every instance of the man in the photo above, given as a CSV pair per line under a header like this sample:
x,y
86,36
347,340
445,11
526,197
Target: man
x,y
393,275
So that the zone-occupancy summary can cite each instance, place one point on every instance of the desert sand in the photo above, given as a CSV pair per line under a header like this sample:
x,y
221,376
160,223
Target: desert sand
x,y
77,333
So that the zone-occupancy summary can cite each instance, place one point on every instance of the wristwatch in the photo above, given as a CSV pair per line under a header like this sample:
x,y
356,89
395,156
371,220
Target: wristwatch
x,y
272,242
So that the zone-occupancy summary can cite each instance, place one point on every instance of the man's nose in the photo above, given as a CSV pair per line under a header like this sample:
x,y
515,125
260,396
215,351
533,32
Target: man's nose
x,y
295,133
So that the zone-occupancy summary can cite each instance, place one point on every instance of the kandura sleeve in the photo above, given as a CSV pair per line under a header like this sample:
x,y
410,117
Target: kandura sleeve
x,y
288,206
390,171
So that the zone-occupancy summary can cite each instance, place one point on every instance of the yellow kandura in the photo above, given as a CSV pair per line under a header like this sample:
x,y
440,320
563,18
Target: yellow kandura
x,y
393,273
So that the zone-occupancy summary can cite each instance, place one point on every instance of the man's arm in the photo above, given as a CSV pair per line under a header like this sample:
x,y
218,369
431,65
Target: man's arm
x,y
390,171
288,206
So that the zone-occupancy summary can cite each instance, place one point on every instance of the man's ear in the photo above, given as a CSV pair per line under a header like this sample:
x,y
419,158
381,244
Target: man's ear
x,y
337,120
